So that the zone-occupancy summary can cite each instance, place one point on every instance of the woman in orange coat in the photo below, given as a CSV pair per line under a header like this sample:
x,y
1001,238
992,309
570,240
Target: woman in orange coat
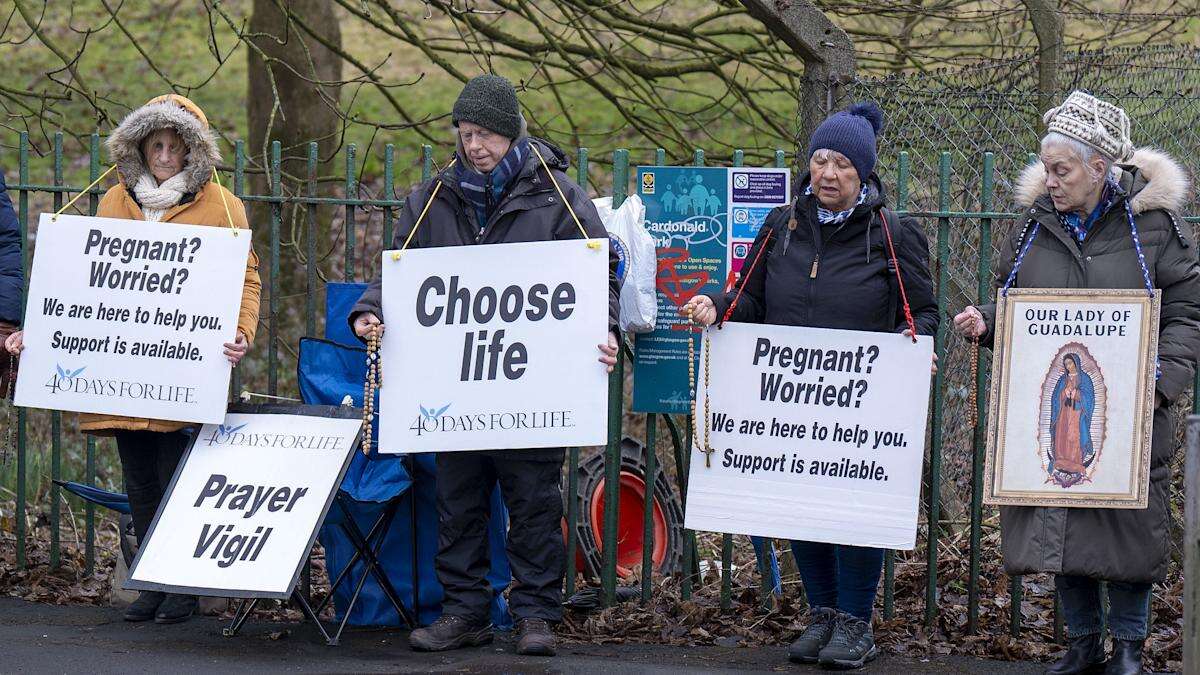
x,y
165,155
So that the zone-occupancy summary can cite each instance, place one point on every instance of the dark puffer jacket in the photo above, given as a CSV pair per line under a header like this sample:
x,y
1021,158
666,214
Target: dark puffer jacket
x,y
1115,544
530,211
835,276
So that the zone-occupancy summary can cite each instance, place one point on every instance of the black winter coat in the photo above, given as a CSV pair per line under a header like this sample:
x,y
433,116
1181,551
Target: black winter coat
x,y
1128,545
530,211
835,276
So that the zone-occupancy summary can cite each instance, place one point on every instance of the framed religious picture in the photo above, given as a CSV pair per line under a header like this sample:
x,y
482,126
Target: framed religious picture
x,y
1072,398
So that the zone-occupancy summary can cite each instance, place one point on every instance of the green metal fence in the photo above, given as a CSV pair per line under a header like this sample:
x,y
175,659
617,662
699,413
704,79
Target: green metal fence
x,y
268,368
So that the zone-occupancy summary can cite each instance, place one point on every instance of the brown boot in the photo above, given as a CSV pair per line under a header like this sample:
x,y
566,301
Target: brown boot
x,y
536,638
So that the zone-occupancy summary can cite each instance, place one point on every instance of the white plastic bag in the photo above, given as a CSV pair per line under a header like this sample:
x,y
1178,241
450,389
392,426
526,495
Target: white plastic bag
x,y
638,264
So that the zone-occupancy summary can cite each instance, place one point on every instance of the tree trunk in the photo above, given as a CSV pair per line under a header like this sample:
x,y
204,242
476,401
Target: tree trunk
x,y
285,103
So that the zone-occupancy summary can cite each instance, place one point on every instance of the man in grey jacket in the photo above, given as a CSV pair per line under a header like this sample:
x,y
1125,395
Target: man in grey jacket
x,y
498,191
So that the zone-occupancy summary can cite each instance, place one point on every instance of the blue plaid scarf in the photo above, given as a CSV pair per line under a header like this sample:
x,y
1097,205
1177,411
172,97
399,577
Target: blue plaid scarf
x,y
827,217
483,190
1076,227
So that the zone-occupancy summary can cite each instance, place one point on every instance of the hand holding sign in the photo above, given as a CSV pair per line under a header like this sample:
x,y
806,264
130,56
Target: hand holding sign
x,y
15,343
234,351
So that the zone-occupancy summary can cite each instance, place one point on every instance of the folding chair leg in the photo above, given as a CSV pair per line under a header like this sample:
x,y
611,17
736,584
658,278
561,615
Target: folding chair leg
x,y
381,577
370,557
353,599
239,617
298,598
356,538
416,559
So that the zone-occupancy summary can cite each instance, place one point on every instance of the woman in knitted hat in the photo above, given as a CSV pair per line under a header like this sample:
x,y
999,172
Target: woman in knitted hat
x,y
827,265
1101,215
504,187
165,155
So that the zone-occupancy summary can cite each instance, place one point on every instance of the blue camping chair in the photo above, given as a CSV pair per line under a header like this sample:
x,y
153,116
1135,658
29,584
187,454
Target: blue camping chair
x,y
382,533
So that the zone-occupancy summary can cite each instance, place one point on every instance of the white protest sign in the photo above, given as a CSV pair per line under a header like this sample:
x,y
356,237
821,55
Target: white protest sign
x,y
491,347
128,317
245,505
815,434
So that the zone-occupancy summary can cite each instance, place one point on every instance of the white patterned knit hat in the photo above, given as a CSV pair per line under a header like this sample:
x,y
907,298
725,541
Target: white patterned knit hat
x,y
1093,122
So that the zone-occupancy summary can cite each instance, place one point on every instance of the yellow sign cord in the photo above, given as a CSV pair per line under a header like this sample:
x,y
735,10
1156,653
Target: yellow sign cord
x,y
220,191
425,210
85,190
567,202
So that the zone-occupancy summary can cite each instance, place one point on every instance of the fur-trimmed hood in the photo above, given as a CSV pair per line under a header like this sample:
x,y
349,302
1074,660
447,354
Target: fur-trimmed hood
x,y
1151,177
165,112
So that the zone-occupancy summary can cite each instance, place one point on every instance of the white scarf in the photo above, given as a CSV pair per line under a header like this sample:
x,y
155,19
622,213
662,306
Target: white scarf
x,y
156,198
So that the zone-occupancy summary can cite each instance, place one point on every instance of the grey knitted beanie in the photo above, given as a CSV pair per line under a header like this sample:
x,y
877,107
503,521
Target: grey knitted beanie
x,y
491,102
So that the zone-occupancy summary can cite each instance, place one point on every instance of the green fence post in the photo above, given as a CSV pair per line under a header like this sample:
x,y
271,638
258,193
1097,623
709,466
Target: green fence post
x,y
572,453
648,539
389,193
935,445
273,288
56,416
310,246
889,556
983,291
1015,587
239,191
23,222
739,158
612,453
351,192
89,508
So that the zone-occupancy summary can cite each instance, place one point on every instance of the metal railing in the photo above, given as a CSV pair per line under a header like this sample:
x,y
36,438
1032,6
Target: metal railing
x,y
950,226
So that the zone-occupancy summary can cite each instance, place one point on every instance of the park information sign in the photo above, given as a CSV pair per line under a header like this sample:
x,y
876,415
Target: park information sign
x,y
1072,398
491,347
703,221
128,317
812,434
244,506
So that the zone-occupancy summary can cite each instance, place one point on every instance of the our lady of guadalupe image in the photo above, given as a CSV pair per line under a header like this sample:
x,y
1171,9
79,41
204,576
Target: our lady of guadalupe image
x,y
1072,429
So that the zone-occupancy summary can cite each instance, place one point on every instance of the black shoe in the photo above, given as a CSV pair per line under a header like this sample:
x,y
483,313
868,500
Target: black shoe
x,y
1126,658
176,608
450,632
851,646
1085,655
144,608
536,638
820,628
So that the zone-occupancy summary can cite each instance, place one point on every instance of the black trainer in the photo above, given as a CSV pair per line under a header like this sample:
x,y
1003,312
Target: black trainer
x,y
851,646
176,608
1084,655
145,607
808,646
450,632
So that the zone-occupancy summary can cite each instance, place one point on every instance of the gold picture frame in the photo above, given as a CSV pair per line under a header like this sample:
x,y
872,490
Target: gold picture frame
x,y
1081,410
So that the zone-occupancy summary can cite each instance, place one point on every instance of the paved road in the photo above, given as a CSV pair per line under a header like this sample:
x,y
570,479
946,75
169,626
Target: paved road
x,y
38,638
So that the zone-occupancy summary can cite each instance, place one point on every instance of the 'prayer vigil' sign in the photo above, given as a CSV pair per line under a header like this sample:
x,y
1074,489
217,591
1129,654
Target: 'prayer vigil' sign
x,y
245,504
